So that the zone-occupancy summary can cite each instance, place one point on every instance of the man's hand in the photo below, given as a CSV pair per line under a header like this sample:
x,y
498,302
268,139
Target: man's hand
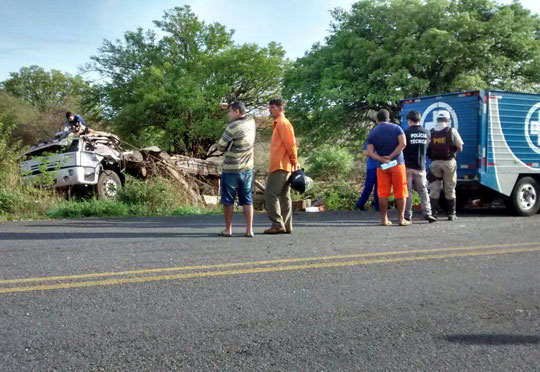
x,y
224,105
384,159
294,164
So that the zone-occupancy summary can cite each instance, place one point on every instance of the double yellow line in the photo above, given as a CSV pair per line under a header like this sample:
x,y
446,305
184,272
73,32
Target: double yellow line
x,y
267,266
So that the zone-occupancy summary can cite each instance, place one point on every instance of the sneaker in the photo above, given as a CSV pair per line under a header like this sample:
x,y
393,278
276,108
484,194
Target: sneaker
x,y
452,217
430,218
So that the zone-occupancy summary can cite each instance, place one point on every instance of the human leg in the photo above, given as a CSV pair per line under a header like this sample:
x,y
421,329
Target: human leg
x,y
248,216
450,181
384,186
245,199
274,187
228,213
410,185
228,195
371,179
401,192
421,188
286,206
435,187
383,208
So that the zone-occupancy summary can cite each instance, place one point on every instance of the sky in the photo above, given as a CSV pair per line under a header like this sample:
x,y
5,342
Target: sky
x,y
64,34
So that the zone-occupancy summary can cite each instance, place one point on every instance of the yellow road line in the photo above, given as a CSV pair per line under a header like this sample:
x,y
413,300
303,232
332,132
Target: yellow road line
x,y
260,270
253,263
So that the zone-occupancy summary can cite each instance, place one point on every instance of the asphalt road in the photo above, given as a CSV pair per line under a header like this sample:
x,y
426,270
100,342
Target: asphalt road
x,y
340,293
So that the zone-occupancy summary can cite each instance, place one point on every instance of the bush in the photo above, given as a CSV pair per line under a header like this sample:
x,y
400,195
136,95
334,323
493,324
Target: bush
x,y
330,162
337,196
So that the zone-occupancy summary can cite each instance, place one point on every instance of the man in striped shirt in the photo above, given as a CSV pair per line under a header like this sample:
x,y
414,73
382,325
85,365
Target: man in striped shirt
x,y
237,143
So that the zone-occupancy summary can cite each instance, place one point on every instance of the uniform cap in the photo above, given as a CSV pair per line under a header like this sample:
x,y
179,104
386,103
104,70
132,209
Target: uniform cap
x,y
443,115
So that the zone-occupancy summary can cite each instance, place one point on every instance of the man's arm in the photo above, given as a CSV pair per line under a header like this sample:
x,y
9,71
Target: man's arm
x,y
289,142
372,154
226,138
402,143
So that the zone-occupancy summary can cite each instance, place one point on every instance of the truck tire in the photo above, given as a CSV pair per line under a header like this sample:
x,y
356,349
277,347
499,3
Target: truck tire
x,y
524,200
108,184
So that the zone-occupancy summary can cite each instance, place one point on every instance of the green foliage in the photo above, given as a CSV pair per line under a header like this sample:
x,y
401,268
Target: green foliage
x,y
35,102
155,197
90,208
383,51
330,162
166,91
43,89
337,196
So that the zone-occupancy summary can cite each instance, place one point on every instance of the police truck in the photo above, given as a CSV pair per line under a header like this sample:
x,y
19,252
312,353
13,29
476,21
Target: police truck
x,y
501,155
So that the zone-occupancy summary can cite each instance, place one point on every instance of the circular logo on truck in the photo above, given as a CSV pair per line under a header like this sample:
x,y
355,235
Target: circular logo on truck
x,y
532,128
429,117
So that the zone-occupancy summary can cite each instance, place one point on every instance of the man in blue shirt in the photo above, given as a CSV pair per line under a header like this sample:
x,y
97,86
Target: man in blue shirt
x,y
385,144
370,183
76,122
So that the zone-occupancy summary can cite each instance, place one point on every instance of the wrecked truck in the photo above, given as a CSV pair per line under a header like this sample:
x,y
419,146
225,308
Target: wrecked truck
x,y
92,161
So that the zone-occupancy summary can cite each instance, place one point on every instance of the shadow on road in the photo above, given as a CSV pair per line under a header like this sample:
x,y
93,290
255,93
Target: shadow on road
x,y
493,339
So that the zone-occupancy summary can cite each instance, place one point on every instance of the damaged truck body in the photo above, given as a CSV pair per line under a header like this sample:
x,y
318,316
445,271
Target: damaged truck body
x,y
97,162
89,161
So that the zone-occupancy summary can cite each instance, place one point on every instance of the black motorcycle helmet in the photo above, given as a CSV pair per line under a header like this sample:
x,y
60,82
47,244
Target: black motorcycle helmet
x,y
300,182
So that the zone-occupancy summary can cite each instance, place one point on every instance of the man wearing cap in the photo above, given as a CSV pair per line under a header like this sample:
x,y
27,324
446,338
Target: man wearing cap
x,y
445,143
237,142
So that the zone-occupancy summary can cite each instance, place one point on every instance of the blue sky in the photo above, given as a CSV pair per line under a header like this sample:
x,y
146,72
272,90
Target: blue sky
x,y
63,34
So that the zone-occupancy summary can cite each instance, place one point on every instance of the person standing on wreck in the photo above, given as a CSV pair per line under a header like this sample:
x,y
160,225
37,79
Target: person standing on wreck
x,y
283,161
237,142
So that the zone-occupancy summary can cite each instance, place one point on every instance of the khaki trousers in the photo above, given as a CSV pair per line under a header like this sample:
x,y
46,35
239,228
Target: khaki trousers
x,y
447,170
277,196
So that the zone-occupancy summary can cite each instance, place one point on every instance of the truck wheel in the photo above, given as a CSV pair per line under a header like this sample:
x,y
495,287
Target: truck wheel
x,y
108,184
524,200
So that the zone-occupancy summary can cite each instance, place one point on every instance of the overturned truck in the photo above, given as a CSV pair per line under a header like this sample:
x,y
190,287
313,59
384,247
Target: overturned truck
x,y
98,162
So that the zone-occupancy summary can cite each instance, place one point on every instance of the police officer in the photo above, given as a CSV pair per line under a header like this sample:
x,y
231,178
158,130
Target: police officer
x,y
445,143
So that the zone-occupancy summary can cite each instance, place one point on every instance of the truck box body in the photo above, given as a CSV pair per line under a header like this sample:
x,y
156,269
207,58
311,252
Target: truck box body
x,y
501,132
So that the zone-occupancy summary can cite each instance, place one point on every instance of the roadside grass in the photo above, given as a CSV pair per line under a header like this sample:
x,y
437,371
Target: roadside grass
x,y
114,208
156,197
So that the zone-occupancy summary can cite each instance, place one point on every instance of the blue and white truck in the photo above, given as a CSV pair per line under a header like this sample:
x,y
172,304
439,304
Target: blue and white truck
x,y
501,155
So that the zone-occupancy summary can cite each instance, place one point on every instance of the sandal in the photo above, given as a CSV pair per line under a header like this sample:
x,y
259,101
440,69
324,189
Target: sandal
x,y
224,234
249,235
388,223
405,223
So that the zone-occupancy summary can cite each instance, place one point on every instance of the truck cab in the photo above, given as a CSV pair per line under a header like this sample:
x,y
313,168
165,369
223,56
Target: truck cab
x,y
70,161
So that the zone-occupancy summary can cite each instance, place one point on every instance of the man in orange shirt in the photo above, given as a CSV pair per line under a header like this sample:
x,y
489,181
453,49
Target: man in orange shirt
x,y
283,160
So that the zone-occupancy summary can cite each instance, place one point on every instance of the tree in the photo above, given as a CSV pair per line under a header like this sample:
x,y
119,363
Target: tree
x,y
37,100
43,89
384,51
166,91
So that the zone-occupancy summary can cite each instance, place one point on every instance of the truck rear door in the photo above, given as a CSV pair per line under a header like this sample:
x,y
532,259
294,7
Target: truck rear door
x,y
465,111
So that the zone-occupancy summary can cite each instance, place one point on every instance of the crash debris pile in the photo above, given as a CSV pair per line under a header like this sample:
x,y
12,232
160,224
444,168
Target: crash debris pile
x,y
197,177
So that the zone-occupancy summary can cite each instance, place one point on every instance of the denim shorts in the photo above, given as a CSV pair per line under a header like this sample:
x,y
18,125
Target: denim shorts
x,y
233,183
